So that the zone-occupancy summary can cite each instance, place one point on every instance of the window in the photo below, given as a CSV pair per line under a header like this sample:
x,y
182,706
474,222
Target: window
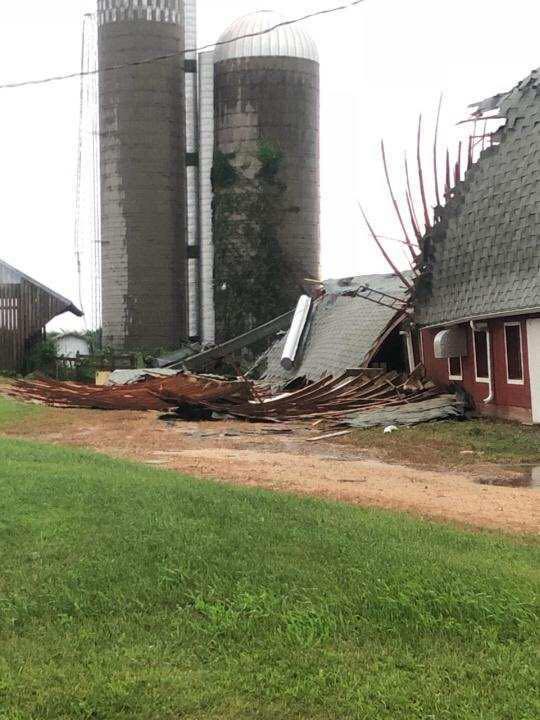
x,y
455,368
514,353
481,355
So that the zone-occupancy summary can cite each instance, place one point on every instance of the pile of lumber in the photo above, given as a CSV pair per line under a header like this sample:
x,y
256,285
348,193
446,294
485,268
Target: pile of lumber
x,y
150,394
331,399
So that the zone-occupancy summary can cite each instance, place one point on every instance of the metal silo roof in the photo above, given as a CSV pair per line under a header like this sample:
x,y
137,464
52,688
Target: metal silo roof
x,y
288,41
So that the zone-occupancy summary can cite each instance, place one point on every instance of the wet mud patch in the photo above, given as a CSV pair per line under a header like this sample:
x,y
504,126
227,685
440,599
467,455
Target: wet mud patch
x,y
522,477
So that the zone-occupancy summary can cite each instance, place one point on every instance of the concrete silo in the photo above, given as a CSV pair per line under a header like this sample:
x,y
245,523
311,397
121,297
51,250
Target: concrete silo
x,y
266,98
143,172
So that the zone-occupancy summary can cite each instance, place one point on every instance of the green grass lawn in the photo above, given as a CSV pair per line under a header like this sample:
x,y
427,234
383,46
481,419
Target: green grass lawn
x,y
133,593
13,413
441,444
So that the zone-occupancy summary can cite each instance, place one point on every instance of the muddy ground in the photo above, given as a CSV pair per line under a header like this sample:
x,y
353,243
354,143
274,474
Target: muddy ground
x,y
283,458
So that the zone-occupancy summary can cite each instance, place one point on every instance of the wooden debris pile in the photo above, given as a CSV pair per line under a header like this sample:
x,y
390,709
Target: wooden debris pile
x,y
330,399
160,394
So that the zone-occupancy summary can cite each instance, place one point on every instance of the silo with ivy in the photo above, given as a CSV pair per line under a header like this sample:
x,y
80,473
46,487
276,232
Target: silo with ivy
x,y
266,178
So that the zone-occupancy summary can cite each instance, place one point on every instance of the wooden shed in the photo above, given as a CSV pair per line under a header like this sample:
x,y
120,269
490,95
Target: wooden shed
x,y
26,307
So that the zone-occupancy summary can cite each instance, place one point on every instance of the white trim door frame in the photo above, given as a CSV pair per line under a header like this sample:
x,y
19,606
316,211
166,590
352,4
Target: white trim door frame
x,y
533,341
508,379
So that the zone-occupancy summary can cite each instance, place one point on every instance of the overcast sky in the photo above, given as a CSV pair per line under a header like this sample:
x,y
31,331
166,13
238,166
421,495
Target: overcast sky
x,y
382,63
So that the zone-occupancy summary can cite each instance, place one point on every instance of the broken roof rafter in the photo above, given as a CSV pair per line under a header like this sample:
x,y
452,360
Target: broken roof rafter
x,y
383,251
435,151
427,219
430,214
408,241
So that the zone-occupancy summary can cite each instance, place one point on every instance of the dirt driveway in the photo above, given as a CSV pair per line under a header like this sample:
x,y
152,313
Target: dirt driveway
x,y
283,458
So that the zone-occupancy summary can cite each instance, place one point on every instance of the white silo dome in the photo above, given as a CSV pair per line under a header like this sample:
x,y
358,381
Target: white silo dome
x,y
287,41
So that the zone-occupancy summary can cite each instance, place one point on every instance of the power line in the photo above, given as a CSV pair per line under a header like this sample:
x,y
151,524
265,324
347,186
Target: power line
x,y
161,58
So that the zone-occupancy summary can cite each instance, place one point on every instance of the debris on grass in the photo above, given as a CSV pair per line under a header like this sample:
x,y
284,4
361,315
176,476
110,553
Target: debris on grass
x,y
182,390
354,399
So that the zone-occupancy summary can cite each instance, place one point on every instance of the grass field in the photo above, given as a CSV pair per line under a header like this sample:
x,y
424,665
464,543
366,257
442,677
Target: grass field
x,y
14,413
132,593
442,444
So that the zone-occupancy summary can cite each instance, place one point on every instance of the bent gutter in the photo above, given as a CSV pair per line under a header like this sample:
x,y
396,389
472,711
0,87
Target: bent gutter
x,y
491,396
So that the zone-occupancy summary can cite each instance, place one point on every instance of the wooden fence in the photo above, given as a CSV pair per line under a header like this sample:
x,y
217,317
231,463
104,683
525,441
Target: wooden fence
x,y
83,368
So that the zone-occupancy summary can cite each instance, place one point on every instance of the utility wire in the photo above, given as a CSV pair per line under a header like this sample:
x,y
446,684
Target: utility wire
x,y
161,58
78,193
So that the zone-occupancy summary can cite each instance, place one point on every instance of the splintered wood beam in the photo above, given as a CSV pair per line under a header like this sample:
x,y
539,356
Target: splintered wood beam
x,y
484,136
448,186
414,220
395,203
421,175
383,251
470,151
457,169
412,211
435,147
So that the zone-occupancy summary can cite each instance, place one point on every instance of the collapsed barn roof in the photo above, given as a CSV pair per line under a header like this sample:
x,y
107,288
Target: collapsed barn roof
x,y
482,257
345,328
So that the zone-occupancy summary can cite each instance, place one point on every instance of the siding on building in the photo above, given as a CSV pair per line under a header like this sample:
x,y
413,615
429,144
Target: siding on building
x,y
26,307
511,400
533,342
482,258
69,345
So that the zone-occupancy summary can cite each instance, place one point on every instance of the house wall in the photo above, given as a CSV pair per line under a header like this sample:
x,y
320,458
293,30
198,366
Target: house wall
x,y
533,338
511,400
70,345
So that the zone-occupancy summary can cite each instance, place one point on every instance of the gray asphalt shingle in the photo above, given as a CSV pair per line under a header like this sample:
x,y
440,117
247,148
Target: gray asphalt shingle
x,y
485,256
342,330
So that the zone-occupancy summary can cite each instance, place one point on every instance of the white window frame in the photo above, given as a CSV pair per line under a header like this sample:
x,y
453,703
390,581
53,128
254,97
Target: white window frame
x,y
455,377
514,382
485,380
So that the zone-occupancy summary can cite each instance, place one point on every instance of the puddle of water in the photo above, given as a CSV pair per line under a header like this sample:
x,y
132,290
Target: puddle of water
x,y
527,478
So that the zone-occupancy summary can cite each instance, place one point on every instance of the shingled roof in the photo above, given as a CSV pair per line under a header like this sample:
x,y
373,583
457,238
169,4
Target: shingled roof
x,y
343,330
483,256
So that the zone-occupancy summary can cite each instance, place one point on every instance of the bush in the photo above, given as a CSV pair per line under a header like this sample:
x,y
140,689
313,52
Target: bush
x,y
42,358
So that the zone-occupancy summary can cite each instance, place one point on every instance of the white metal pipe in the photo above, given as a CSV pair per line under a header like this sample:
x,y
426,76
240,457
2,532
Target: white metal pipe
x,y
295,332
206,158
491,396
192,180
